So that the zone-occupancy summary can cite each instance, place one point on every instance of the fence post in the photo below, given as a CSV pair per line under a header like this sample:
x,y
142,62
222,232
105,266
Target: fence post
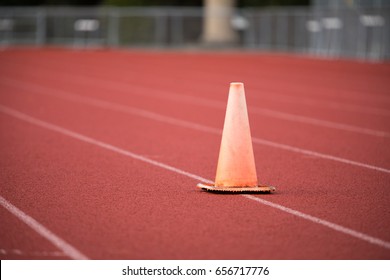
x,y
177,28
161,28
40,38
113,27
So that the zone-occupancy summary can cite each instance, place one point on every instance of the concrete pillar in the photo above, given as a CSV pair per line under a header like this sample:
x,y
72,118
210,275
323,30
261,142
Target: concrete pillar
x,y
217,27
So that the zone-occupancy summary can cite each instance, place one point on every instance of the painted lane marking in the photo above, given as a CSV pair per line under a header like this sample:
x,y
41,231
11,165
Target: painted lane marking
x,y
187,124
336,227
274,95
81,137
32,253
61,244
112,85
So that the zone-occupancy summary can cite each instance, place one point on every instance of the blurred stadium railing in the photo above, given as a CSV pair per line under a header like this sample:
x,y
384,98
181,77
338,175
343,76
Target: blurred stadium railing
x,y
362,34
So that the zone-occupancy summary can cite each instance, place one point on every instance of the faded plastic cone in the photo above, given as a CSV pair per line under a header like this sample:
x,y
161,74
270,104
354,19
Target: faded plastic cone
x,y
236,171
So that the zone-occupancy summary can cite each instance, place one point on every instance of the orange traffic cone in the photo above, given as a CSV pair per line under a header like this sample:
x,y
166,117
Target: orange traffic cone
x,y
236,171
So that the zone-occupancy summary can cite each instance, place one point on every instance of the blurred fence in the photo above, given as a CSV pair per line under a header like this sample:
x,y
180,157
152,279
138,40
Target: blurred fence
x,y
355,33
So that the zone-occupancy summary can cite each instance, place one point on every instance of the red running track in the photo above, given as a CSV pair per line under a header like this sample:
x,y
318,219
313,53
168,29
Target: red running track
x,y
101,152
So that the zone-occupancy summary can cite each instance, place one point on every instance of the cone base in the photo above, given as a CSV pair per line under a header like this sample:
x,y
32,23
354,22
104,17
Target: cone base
x,y
257,189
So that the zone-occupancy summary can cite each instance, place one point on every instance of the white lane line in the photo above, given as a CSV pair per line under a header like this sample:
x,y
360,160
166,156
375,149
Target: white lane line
x,y
90,140
61,244
285,98
319,155
78,136
333,104
328,224
33,253
186,124
314,121
112,85
254,110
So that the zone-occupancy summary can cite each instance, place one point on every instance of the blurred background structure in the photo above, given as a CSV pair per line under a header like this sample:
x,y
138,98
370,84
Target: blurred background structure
x,y
335,28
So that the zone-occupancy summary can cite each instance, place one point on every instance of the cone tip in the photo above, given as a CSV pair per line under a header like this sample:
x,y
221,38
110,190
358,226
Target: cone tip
x,y
237,87
236,84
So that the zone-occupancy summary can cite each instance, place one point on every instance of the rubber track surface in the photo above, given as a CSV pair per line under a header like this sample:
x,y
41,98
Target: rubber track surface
x,y
104,149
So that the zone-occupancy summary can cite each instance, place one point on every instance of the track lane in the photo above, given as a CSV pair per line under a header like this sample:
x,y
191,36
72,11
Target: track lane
x,y
129,71
346,144
315,193
356,122
27,244
233,230
341,200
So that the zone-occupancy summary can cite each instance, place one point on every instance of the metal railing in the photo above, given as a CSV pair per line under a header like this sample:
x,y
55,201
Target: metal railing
x,y
363,33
